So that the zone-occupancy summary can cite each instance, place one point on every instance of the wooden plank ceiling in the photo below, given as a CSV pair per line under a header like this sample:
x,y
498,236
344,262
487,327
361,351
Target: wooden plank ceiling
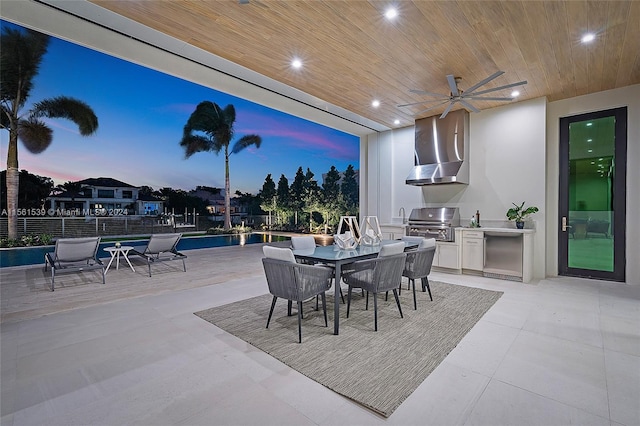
x,y
352,54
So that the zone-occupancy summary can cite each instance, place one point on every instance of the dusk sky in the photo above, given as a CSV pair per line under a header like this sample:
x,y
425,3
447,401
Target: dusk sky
x,y
141,114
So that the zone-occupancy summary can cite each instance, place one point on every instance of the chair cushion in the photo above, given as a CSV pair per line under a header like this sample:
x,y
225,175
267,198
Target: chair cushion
x,y
306,242
391,249
279,253
427,243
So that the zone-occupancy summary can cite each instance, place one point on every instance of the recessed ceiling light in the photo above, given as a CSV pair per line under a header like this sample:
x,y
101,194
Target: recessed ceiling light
x,y
589,140
593,162
296,63
375,103
599,159
588,38
396,122
589,124
515,94
391,13
589,150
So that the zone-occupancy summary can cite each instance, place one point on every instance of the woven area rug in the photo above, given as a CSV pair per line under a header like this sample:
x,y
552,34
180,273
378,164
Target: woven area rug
x,y
376,369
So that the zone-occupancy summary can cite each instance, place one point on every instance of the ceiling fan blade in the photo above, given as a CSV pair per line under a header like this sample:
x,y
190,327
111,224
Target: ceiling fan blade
x,y
424,92
433,107
520,83
485,81
422,102
469,106
488,98
452,85
446,111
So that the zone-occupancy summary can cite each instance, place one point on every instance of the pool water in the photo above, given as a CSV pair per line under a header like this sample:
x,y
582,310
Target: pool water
x,y
35,255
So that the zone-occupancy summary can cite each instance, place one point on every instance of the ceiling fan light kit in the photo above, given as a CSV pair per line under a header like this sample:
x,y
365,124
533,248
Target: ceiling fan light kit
x,y
462,97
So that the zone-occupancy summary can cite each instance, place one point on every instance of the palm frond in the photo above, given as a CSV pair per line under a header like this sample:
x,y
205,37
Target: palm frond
x,y
5,113
35,135
20,59
205,118
229,113
195,143
69,108
245,142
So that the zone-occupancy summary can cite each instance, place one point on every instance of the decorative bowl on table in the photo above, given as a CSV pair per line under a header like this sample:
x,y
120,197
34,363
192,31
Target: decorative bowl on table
x,y
118,245
323,239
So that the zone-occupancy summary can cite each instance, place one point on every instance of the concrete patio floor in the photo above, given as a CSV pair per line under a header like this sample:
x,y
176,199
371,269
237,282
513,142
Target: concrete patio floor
x,y
555,352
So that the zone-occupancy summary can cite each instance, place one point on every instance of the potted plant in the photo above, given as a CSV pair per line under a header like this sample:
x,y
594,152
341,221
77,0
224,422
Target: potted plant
x,y
519,213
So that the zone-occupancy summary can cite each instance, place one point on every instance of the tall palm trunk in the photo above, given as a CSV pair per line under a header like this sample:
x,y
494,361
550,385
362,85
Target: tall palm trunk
x,y
13,183
227,189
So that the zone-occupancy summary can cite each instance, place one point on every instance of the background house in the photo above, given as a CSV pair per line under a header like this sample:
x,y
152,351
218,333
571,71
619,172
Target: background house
x,y
104,197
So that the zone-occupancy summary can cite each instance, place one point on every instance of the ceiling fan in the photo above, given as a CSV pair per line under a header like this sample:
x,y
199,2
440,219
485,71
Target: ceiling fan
x,y
463,97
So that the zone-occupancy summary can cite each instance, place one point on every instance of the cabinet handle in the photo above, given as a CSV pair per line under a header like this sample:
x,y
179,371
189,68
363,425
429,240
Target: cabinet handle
x,y
484,253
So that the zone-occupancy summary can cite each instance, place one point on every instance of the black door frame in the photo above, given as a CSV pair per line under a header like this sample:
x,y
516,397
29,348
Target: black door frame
x,y
619,196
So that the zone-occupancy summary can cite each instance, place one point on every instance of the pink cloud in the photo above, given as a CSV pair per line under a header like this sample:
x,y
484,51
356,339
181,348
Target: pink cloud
x,y
298,139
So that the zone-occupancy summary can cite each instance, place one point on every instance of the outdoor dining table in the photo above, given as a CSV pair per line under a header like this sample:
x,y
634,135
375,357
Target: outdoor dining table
x,y
333,255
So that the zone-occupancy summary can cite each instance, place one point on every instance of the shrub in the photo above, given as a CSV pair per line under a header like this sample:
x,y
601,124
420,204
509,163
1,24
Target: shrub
x,y
235,230
27,241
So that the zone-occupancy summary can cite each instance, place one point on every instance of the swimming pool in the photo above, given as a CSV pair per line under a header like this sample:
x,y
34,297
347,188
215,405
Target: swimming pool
x,y
35,255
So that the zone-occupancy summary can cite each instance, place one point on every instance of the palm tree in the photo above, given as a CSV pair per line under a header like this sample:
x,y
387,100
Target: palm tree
x,y
20,59
210,128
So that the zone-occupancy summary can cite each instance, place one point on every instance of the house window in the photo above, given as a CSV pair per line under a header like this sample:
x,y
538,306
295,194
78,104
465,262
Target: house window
x,y
127,194
106,193
151,208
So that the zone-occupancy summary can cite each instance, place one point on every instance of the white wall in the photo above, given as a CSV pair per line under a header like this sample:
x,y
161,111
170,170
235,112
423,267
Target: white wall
x,y
626,96
507,162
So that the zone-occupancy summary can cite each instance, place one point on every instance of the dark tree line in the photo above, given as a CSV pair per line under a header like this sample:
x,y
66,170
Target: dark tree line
x,y
33,190
302,204
305,205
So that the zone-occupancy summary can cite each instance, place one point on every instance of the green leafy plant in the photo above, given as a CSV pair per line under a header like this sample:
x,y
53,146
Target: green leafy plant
x,y
519,213
27,241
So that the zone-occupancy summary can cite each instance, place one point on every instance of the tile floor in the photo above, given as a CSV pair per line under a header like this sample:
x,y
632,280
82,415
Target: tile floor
x,y
555,352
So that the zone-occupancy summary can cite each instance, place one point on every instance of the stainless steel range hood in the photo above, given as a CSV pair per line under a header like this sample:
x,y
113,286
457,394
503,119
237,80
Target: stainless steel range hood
x,y
440,149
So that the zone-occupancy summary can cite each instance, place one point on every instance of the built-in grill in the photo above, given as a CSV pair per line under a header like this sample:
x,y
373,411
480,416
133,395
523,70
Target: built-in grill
x,y
434,222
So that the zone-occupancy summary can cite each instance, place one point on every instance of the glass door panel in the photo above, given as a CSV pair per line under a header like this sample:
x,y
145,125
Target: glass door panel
x,y
592,194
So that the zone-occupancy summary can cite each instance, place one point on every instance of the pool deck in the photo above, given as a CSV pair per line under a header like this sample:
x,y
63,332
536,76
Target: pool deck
x,y
556,351
25,290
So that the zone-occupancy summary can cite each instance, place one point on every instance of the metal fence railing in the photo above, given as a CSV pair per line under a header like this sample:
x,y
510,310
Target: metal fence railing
x,y
94,226
89,226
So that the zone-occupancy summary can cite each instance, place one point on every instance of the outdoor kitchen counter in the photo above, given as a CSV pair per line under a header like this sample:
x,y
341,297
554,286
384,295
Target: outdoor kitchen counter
x,y
497,252
512,230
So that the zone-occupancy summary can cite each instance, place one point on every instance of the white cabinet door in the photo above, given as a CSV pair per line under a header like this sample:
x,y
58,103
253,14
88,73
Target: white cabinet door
x,y
473,253
448,255
436,256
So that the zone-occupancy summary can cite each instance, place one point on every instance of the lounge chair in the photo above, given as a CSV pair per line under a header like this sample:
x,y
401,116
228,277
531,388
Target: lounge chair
x,y
74,255
161,248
